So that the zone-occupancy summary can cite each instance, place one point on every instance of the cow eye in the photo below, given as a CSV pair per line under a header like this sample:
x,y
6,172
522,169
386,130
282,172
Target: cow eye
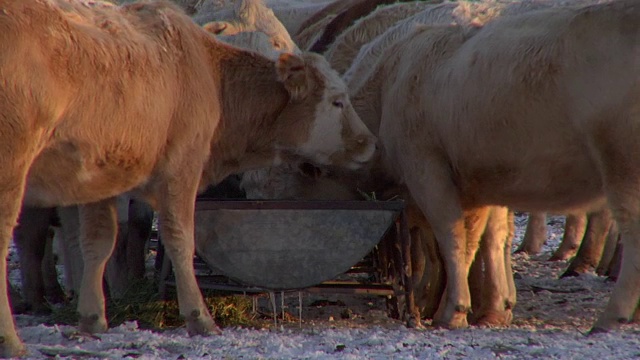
x,y
338,104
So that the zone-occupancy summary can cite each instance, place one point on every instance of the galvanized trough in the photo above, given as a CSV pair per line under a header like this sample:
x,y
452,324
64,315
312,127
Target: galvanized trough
x,y
286,245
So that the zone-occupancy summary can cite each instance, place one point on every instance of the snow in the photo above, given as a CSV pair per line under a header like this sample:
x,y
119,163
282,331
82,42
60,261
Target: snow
x,y
547,324
126,341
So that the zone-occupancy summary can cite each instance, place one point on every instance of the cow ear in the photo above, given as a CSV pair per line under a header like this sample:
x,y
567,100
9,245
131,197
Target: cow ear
x,y
292,72
221,28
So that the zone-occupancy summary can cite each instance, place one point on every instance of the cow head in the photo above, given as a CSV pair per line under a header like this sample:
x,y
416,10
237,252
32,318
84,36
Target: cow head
x,y
329,131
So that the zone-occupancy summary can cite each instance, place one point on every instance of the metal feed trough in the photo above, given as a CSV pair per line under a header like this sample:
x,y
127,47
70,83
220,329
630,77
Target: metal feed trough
x,y
262,246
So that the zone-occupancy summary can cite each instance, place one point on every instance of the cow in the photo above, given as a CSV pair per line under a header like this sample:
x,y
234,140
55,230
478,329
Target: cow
x,y
291,183
167,113
346,46
288,184
592,238
482,110
251,25
330,10
291,13
33,238
345,19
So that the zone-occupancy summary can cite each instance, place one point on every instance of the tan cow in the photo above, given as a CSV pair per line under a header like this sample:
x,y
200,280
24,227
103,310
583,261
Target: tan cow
x,y
485,122
291,13
250,24
167,112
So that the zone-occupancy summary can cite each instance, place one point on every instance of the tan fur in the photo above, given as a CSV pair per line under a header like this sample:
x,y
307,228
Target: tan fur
x,y
523,114
250,25
167,111
292,13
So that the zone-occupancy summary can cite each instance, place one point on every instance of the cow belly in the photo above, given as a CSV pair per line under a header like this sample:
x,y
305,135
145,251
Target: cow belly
x,y
536,185
59,178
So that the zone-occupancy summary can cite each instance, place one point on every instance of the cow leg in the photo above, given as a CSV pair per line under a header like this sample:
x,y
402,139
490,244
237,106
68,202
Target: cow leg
x,y
14,165
98,227
613,272
436,273
592,246
574,230
52,290
535,235
495,306
69,238
511,227
438,202
622,180
127,262
30,237
176,221
140,221
452,311
116,270
475,223
419,274
608,253
626,292
476,279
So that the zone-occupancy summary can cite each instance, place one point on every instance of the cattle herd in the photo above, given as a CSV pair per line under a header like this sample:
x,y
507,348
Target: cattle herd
x,y
466,110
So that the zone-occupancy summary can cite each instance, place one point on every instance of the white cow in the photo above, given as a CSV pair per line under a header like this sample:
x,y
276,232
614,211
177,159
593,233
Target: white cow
x,y
472,118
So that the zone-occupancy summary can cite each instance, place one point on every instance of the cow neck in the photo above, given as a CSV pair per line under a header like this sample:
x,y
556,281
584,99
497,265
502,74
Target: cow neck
x,y
251,98
366,100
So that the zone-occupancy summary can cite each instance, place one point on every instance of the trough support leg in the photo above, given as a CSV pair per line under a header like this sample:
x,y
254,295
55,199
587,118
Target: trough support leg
x,y
412,312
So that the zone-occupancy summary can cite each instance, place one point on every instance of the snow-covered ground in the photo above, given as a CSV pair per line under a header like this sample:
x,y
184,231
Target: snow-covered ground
x,y
550,321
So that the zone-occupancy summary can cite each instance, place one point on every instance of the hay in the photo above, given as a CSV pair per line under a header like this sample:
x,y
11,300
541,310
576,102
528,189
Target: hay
x,y
142,303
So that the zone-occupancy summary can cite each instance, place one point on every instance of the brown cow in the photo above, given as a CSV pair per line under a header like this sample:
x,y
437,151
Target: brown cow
x,y
485,115
167,112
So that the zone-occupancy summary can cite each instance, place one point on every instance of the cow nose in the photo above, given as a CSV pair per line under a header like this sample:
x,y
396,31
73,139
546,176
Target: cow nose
x,y
367,146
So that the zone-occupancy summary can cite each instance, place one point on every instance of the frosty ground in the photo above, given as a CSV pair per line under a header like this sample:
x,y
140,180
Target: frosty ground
x,y
551,320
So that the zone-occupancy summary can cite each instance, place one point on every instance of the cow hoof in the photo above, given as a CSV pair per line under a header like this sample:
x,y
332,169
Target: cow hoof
x,y
92,324
607,324
11,347
597,330
201,325
563,255
457,321
556,257
569,273
493,319
415,323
